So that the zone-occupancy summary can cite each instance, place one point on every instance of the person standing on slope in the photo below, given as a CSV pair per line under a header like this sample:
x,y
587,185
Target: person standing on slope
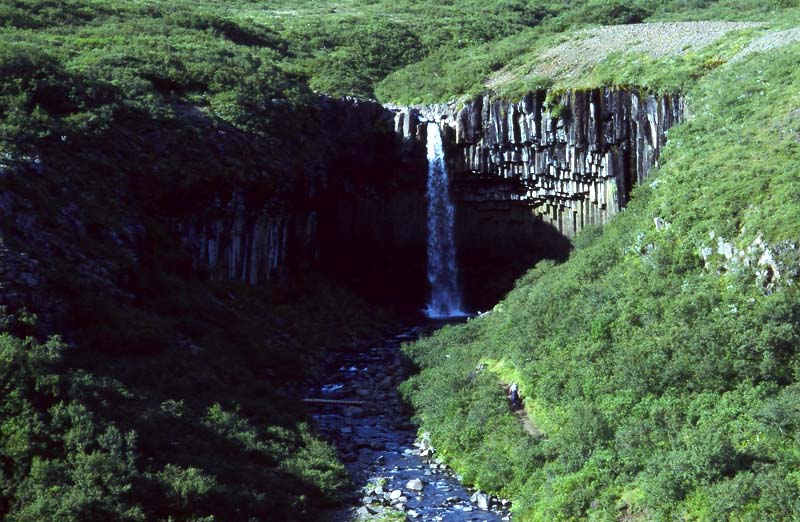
x,y
514,395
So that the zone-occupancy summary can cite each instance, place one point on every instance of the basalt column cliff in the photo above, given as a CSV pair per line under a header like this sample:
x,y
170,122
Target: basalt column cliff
x,y
526,177
354,210
529,175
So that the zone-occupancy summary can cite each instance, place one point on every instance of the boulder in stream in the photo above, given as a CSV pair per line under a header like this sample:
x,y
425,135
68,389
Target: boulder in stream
x,y
481,499
415,485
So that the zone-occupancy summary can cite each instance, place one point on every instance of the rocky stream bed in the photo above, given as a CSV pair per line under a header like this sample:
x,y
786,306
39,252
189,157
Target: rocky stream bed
x,y
398,474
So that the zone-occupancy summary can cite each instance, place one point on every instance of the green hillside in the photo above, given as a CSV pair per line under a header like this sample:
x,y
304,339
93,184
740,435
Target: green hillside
x,y
658,365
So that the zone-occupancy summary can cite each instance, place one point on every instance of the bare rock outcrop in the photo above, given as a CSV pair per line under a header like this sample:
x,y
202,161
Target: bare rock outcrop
x,y
572,157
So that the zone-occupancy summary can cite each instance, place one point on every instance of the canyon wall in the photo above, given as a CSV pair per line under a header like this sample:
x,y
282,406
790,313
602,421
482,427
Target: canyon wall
x,y
526,177
571,158
357,213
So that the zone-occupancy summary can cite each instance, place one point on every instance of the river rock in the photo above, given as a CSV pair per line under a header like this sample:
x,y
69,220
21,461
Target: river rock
x,y
353,411
395,494
415,485
480,499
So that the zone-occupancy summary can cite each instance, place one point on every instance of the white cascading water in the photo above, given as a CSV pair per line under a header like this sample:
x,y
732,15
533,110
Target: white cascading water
x,y
442,272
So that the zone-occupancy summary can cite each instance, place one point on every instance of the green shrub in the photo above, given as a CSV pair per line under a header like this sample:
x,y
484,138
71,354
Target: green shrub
x,y
662,384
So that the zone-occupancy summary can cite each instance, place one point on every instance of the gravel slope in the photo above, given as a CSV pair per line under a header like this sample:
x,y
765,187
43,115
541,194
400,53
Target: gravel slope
x,y
769,41
590,46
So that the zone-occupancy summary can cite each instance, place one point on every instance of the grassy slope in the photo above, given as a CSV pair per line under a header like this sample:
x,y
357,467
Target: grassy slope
x,y
87,86
347,47
179,402
449,73
665,388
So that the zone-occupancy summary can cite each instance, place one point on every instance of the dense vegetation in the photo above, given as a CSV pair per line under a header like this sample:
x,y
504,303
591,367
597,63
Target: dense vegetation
x,y
167,397
205,428
662,387
662,374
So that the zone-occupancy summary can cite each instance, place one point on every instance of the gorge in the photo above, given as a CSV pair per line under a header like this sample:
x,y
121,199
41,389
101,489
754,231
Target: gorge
x,y
526,177
223,224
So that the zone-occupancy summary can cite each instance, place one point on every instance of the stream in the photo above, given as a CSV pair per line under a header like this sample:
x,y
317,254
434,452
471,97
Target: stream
x,y
356,407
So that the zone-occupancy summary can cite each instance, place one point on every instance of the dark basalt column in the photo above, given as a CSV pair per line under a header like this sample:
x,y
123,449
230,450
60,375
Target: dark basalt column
x,y
529,175
526,175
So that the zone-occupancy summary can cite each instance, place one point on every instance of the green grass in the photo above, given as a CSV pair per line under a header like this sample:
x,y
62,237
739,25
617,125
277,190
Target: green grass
x,y
665,388
448,73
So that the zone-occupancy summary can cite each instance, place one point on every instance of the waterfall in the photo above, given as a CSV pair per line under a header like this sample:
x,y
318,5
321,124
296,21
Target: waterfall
x,y
442,272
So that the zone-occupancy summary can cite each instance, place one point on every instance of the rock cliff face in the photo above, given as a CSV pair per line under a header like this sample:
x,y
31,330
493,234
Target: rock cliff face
x,y
241,240
527,176
571,158
357,211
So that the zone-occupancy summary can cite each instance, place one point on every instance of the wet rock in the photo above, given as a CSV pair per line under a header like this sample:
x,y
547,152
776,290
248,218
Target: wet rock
x,y
379,452
415,485
480,499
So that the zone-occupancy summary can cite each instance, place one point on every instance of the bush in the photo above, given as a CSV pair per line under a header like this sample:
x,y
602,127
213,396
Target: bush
x,y
661,383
